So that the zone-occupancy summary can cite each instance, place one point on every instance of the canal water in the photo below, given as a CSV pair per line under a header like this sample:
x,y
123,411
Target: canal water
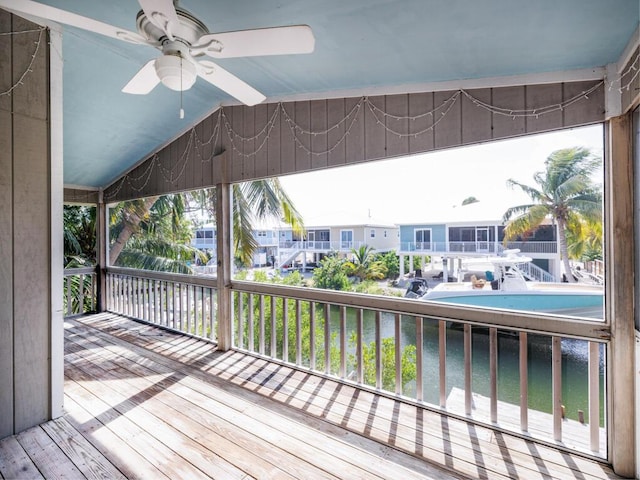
x,y
574,363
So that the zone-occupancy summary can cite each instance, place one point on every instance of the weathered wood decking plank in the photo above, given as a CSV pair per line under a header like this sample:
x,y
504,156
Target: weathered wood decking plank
x,y
398,424
80,451
131,463
446,441
49,459
275,428
145,403
210,433
14,461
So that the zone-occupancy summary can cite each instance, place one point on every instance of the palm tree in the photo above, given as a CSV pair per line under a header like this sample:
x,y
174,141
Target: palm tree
x,y
565,192
79,236
364,266
152,234
252,201
585,241
255,200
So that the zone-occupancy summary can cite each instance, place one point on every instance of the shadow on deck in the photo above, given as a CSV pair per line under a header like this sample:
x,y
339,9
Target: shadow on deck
x,y
144,403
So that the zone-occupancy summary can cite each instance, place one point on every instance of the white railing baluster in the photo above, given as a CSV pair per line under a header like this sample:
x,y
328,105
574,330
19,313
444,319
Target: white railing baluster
x,y
343,342
69,297
327,338
468,399
240,316
133,282
398,352
285,330
274,331
250,326
378,345
359,342
171,303
81,294
203,329
128,293
419,353
312,335
212,315
298,332
524,383
262,327
116,293
442,361
594,396
556,374
189,316
493,373
177,306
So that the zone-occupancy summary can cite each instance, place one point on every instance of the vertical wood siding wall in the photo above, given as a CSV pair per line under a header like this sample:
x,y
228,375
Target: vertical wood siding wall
x,y
278,139
25,206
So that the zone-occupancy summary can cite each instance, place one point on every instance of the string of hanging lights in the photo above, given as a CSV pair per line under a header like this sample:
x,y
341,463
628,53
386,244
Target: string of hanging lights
x,y
250,146
29,68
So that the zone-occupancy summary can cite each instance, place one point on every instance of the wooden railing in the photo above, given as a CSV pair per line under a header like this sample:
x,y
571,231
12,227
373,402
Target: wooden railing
x,y
79,291
447,358
442,357
182,303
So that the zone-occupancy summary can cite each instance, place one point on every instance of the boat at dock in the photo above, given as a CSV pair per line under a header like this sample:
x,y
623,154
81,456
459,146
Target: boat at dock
x,y
503,285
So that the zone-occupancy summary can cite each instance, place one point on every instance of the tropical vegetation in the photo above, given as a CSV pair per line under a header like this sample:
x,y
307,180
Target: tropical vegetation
x,y
153,233
364,266
262,338
79,236
566,193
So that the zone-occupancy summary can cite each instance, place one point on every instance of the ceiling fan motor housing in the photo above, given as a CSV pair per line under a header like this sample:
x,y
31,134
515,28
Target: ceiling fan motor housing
x,y
189,29
176,72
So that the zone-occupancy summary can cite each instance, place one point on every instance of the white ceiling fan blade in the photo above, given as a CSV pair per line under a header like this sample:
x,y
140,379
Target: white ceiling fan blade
x,y
144,81
162,14
46,12
228,82
259,42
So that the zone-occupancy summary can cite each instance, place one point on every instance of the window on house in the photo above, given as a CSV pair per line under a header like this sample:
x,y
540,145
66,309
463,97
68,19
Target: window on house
x,y
423,239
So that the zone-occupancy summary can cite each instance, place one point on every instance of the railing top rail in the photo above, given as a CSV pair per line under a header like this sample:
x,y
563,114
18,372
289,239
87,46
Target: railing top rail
x,y
169,277
79,271
537,323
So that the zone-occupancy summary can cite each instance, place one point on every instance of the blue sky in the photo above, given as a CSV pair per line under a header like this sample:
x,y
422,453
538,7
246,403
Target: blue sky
x,y
413,188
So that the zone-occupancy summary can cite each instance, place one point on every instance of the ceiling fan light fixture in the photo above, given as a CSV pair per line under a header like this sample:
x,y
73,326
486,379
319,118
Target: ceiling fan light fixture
x,y
175,72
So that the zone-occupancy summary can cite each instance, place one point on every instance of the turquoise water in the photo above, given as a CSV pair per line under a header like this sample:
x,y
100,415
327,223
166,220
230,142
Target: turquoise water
x,y
574,363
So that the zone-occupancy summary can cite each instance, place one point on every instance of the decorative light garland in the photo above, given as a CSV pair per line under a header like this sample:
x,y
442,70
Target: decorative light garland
x,y
240,144
29,68
532,112
633,67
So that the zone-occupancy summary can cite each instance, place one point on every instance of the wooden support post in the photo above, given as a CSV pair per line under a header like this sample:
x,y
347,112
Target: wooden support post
x,y
619,256
102,256
225,256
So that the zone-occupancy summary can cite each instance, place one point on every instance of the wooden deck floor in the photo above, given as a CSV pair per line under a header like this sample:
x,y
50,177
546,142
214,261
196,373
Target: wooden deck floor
x,y
143,403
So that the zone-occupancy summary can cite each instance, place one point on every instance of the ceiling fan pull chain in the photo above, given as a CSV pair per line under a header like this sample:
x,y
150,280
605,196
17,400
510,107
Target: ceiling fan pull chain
x,y
181,109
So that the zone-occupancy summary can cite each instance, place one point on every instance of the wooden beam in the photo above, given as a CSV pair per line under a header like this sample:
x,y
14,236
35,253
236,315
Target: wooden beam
x,y
225,257
619,257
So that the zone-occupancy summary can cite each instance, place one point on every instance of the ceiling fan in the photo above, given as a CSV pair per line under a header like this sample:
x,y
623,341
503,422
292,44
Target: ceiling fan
x,y
183,39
